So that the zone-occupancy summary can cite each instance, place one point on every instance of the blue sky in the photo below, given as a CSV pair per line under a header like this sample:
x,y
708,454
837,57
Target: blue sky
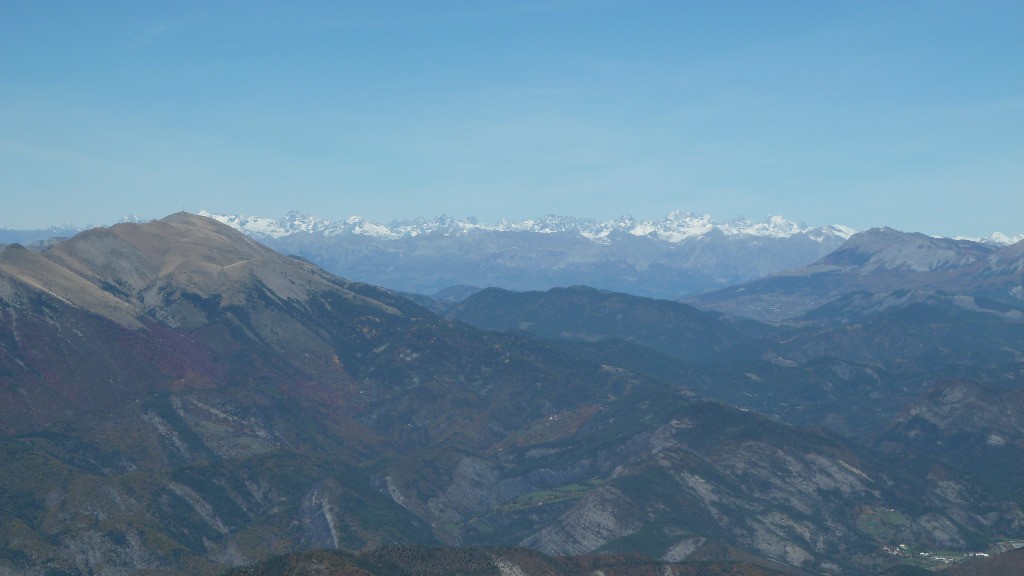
x,y
906,114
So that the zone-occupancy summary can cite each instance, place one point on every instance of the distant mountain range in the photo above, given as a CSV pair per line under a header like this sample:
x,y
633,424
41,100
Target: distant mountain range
x,y
676,227
176,397
671,257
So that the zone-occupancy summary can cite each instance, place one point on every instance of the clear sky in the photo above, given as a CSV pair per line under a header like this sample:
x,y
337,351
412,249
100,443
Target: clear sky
x,y
906,114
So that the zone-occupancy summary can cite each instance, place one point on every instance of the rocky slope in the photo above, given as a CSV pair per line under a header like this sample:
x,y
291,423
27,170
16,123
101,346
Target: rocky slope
x,y
978,428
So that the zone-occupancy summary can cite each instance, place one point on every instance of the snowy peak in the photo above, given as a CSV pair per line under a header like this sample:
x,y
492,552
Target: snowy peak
x,y
292,223
676,227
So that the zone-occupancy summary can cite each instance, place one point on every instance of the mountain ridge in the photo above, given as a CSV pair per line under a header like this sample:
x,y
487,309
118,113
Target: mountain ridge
x,y
675,227
266,406
673,257
879,260
665,258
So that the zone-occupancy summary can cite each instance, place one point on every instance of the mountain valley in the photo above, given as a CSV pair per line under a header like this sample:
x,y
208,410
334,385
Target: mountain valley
x,y
179,398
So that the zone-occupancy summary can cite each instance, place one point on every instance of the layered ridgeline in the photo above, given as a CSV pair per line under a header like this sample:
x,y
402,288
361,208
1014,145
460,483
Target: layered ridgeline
x,y
878,261
668,258
175,397
850,365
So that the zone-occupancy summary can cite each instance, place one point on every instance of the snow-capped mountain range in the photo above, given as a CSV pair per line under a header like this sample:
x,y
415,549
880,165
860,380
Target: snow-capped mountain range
x,y
669,257
676,256
674,228
997,239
